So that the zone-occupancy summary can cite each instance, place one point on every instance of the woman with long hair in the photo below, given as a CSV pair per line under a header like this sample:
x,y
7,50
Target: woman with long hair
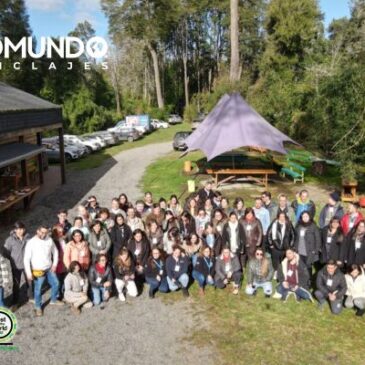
x,y
355,245
155,273
175,206
120,234
172,238
186,224
239,207
140,249
99,239
203,271
212,239
355,280
123,202
155,235
59,238
219,220
332,243
191,247
77,250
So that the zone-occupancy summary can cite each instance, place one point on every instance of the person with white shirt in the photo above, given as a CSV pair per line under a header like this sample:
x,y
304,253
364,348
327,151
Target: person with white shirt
x,y
40,263
262,214
355,295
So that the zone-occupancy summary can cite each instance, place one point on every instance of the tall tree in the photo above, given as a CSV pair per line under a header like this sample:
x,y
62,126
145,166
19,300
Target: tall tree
x,y
235,56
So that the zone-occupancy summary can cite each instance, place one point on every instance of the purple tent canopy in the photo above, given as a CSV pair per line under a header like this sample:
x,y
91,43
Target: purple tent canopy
x,y
233,124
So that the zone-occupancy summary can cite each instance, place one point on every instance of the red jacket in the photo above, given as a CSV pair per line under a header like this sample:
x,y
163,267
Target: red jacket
x,y
345,222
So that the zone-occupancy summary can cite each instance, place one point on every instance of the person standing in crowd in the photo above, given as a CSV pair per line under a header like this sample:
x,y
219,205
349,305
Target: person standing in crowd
x,y
186,224
262,214
192,246
224,207
355,245
76,286
293,277
171,239
84,214
206,193
104,218
14,251
170,221
355,281
78,224
280,237
208,207
77,250
92,207
332,243
200,221
234,237
177,267
212,239
191,206
203,271
307,241
285,207
156,215
148,202
116,209
175,206
120,234
124,271
253,233
260,273
133,221
99,240
123,202
155,273
140,249
5,277
332,209
271,206
239,207
155,235
100,278
228,269
303,204
40,263
331,286
219,220
59,239
62,221
351,218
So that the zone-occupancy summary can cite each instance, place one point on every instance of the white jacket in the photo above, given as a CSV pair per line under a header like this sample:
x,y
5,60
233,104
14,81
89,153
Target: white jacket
x,y
355,288
40,255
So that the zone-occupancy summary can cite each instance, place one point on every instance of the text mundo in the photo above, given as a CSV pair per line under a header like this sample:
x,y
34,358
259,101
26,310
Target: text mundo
x,y
64,48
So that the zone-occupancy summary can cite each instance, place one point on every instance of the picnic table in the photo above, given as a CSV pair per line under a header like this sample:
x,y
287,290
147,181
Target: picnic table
x,y
26,197
259,175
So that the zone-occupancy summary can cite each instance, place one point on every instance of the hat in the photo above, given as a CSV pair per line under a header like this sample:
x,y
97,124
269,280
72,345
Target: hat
x,y
335,196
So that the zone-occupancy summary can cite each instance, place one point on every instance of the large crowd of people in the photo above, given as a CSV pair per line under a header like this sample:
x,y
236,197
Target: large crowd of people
x,y
115,251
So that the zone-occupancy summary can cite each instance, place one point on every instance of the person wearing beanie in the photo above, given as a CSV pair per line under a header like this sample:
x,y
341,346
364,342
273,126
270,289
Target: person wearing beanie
x,y
333,209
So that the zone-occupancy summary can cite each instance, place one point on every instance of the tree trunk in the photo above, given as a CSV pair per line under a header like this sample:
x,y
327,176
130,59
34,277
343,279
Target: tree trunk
x,y
186,79
156,70
235,57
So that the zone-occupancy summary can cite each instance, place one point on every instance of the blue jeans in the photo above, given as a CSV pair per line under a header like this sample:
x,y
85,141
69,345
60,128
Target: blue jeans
x,y
300,293
38,283
2,297
183,280
201,279
98,294
155,285
266,286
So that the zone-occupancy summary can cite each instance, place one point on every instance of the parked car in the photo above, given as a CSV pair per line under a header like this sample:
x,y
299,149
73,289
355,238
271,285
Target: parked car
x,y
198,120
90,144
53,153
108,137
120,127
98,138
129,135
174,119
157,124
179,141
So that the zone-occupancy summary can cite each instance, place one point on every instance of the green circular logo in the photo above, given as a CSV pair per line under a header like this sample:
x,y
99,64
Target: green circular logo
x,y
8,325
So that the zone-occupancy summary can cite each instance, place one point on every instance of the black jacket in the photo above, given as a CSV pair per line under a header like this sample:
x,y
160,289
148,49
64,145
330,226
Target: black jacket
x,y
120,272
353,255
218,244
120,235
281,243
187,230
312,240
202,267
141,257
336,250
171,264
94,275
204,196
328,284
338,213
241,237
154,268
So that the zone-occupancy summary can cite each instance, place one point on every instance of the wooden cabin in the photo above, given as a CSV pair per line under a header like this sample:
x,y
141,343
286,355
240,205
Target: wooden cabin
x,y
23,120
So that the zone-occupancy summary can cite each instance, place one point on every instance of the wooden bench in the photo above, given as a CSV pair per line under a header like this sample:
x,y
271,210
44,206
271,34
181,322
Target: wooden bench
x,y
294,170
262,175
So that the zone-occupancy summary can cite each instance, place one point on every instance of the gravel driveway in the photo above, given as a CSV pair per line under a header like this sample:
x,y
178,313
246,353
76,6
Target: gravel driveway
x,y
140,331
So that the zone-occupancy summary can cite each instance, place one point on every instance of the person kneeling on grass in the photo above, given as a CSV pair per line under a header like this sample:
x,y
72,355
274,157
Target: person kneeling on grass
x,y
100,278
331,286
228,269
155,273
177,271
293,278
125,271
355,280
260,273
76,285
203,271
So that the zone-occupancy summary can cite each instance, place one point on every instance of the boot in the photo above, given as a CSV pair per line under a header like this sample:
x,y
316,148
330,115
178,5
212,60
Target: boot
x,y
185,292
151,293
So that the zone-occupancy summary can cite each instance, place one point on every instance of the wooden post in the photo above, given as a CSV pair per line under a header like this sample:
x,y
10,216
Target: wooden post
x,y
25,178
40,158
62,155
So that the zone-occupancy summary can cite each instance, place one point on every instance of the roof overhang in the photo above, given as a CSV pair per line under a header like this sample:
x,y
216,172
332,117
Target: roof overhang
x,y
15,152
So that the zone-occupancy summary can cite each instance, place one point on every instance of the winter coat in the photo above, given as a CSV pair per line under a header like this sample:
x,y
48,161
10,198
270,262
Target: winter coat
x,y
155,268
121,271
354,255
254,235
345,222
254,274
14,250
94,276
77,252
299,208
96,245
156,239
140,258
175,269
355,287
187,230
120,236
312,240
204,196
327,283
205,266
220,267
337,246
76,283
277,240
217,245
302,273
240,234
338,212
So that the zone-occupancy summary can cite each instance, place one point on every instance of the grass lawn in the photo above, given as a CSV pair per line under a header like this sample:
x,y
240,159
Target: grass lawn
x,y
96,159
256,330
